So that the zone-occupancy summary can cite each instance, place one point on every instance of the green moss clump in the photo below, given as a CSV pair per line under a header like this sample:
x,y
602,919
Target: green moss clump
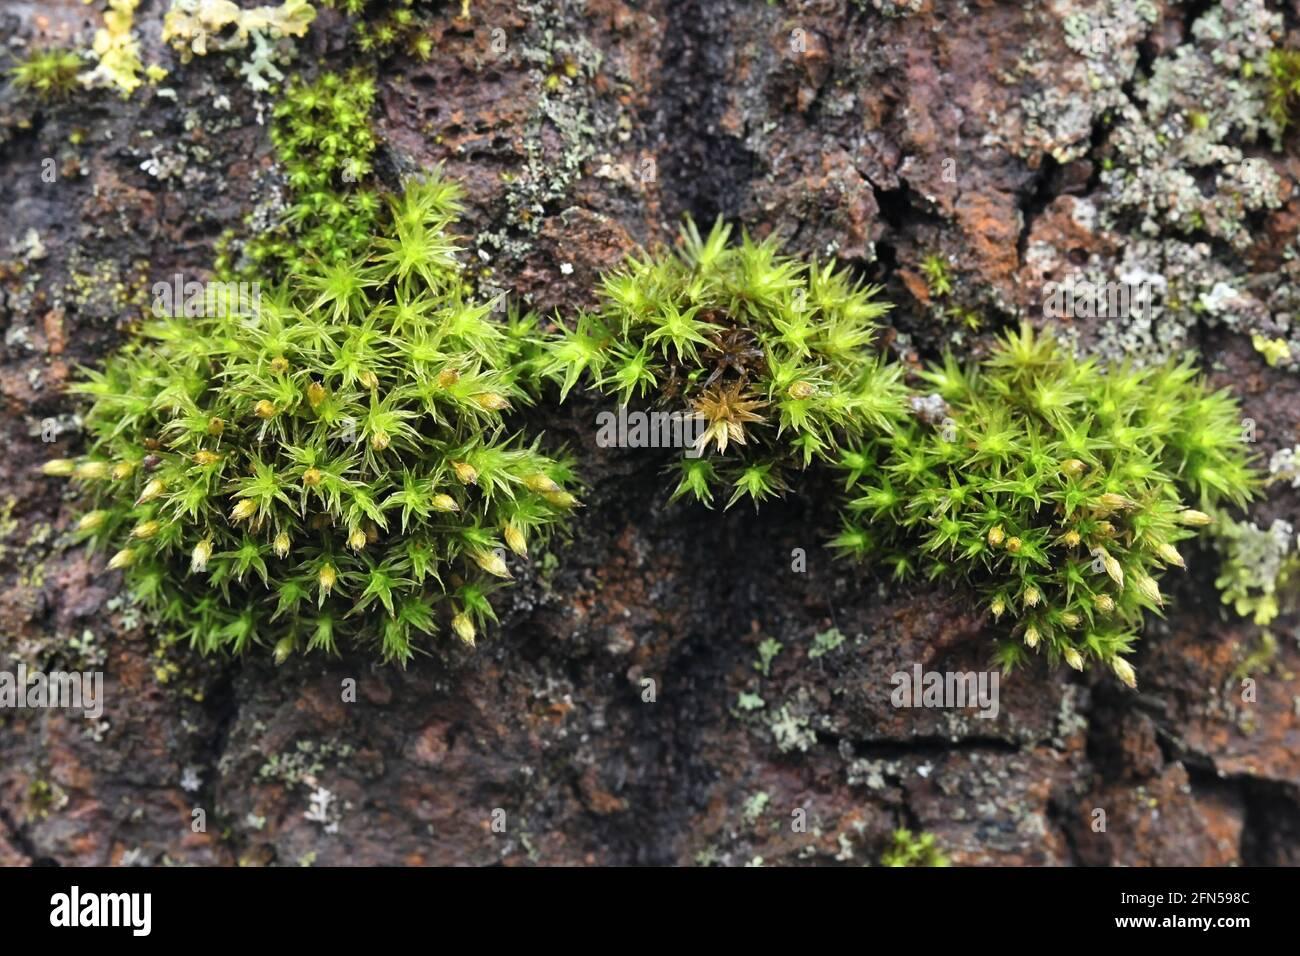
x,y
938,278
771,355
48,74
323,138
334,468
386,27
1053,486
908,849
1284,86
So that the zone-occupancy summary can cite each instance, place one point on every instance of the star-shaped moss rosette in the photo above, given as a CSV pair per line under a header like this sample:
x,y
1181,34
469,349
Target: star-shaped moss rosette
x,y
49,74
386,27
332,469
1057,488
770,355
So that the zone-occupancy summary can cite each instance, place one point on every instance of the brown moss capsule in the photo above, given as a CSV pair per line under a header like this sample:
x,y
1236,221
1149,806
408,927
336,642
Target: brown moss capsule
x,y
123,470
541,484
151,491
465,472
93,470
1124,671
315,394
1113,569
199,559
264,409
491,562
205,457
59,467
1147,587
92,521
1114,502
1013,545
283,649
448,377
801,390
444,503
216,426
491,401
1169,555
123,559
996,536
311,477
280,364
515,539
464,628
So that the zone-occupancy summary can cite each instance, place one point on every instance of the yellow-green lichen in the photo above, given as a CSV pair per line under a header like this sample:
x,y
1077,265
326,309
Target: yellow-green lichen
x,y
1259,571
1274,351
117,47
197,27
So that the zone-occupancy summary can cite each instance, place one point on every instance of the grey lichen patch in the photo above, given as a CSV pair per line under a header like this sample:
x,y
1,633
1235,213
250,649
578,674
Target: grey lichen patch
x,y
304,764
559,135
303,768
755,806
1175,285
189,162
791,729
873,774
824,642
1071,717
1285,465
892,8
1275,300
1059,116
768,648
100,288
1185,181
1175,163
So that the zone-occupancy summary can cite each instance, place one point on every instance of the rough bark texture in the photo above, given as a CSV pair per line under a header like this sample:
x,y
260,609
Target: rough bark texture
x,y
879,138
